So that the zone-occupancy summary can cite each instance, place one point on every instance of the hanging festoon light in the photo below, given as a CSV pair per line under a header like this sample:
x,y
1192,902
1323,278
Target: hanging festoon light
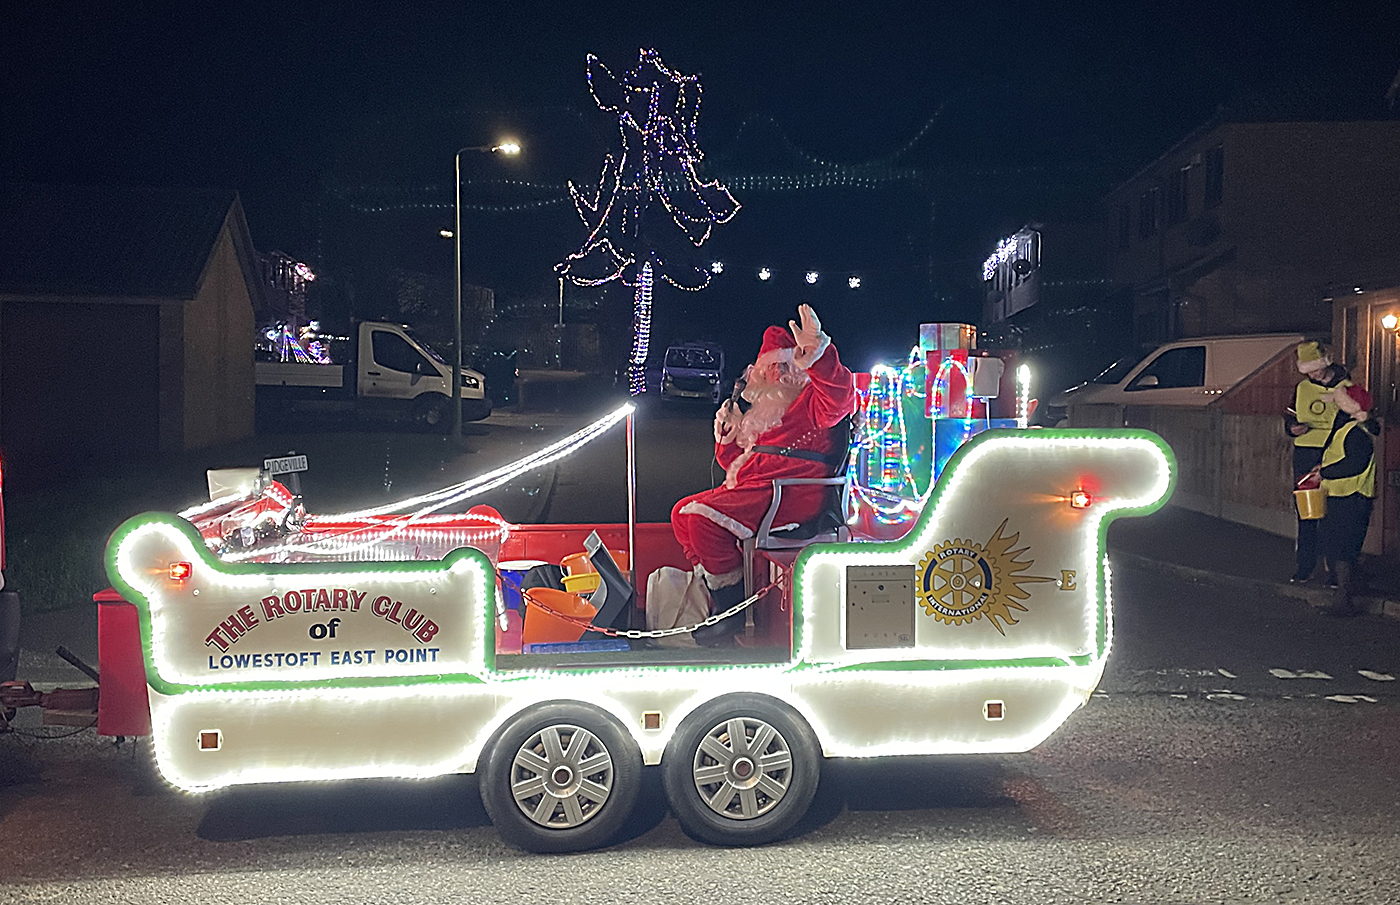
x,y
811,277
853,282
765,274
656,108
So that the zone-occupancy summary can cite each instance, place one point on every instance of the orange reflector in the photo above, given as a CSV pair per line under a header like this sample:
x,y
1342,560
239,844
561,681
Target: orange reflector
x,y
179,571
994,710
1080,499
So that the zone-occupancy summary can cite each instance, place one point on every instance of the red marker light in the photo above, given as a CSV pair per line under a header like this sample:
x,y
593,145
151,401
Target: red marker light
x,y
1080,499
179,571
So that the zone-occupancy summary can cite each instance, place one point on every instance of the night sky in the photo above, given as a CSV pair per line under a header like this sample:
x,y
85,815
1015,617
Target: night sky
x,y
1036,111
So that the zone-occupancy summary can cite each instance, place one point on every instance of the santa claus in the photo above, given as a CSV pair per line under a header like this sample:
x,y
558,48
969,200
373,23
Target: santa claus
x,y
794,394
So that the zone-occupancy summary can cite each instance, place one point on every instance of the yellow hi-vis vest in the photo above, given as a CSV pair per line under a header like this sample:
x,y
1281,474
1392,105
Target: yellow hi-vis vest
x,y
1316,411
1364,483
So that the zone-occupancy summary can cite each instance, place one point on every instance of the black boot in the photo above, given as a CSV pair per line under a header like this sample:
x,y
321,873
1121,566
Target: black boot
x,y
722,633
1342,604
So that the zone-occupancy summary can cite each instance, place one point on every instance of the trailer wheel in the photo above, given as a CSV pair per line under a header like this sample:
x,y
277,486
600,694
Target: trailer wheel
x,y
432,414
561,778
741,770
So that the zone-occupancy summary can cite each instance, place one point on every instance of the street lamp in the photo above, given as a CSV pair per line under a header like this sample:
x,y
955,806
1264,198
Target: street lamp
x,y
505,147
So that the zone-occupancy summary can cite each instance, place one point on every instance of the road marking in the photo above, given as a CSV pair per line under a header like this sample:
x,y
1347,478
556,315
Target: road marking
x,y
1181,696
1224,696
1351,698
1300,674
1376,676
1227,674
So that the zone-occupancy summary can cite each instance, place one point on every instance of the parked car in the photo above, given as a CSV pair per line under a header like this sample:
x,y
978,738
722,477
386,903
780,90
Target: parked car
x,y
693,371
1186,372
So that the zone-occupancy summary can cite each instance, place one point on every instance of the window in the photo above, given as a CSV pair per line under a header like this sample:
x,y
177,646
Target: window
x,y
1215,175
393,352
1149,206
1125,226
1173,369
1177,188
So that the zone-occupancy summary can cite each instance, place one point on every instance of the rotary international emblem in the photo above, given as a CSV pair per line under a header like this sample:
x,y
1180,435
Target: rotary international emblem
x,y
959,581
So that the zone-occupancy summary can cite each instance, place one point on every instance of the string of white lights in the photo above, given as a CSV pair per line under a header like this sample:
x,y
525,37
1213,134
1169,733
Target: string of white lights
x,y
438,499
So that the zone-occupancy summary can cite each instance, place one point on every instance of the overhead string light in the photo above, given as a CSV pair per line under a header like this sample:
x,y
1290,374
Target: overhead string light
x,y
657,110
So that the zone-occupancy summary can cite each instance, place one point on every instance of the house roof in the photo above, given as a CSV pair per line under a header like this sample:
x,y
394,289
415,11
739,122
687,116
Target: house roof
x,y
111,241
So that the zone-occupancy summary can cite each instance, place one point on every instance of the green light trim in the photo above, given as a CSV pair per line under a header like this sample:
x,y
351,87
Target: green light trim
x,y
208,561
492,676
906,544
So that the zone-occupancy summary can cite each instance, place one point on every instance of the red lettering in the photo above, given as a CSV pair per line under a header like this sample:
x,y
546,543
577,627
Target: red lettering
x,y
309,595
249,619
341,599
292,601
233,627
323,600
426,633
381,606
355,598
394,613
214,638
412,619
272,608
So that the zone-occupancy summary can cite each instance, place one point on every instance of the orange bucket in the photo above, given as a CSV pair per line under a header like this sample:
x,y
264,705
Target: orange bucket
x,y
541,627
579,563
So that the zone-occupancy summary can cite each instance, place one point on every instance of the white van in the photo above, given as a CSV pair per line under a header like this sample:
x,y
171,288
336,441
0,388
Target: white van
x,y
1185,372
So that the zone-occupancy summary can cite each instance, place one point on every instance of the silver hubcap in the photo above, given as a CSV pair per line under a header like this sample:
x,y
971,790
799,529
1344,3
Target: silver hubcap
x,y
561,777
742,768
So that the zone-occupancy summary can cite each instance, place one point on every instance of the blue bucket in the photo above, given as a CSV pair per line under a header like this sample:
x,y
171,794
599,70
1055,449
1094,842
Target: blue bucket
x,y
512,573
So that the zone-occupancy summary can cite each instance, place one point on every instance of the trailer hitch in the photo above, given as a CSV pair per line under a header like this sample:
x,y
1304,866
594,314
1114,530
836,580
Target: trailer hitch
x,y
61,707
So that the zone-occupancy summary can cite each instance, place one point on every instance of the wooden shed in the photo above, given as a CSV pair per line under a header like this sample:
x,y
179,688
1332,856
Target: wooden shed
x,y
126,325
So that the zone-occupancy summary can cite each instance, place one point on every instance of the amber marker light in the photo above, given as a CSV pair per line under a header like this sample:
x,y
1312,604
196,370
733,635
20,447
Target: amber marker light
x,y
179,571
1080,499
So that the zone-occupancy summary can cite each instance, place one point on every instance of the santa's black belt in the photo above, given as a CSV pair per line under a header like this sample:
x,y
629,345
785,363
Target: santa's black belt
x,y
792,453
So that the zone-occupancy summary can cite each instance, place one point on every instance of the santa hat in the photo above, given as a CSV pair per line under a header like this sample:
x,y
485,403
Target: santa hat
x,y
776,338
1311,358
1353,400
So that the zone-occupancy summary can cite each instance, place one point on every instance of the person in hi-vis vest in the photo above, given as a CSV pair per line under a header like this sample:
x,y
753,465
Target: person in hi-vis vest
x,y
1348,473
1308,423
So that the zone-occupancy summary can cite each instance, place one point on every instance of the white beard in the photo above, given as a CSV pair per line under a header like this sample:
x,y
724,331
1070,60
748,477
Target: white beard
x,y
769,402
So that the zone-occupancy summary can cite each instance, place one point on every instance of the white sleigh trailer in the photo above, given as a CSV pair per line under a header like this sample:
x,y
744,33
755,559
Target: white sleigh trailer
x,y
980,631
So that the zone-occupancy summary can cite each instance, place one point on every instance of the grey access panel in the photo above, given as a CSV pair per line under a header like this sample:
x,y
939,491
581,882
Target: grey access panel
x,y
879,607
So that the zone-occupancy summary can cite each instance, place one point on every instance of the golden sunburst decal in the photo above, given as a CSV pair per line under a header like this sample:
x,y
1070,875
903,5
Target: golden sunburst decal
x,y
959,581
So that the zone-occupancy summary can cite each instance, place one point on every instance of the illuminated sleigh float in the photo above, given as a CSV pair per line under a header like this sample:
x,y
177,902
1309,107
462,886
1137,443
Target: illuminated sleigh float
x,y
979,631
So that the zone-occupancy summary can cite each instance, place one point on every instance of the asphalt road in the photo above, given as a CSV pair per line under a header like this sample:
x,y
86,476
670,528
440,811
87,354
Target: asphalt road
x,y
1240,749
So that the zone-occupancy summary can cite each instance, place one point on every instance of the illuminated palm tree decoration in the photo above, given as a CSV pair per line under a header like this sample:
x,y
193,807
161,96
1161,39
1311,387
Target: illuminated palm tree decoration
x,y
628,239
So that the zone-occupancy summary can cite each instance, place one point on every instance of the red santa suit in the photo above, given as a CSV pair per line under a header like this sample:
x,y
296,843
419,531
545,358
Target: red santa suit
x,y
709,525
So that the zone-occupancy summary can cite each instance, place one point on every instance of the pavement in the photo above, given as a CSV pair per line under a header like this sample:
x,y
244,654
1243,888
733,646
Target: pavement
x,y
1201,548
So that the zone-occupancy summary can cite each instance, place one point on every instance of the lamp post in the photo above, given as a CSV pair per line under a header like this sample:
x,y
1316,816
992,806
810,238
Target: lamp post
x,y
506,147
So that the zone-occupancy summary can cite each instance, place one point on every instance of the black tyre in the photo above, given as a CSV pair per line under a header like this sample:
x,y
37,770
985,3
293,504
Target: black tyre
x,y
561,778
431,413
741,770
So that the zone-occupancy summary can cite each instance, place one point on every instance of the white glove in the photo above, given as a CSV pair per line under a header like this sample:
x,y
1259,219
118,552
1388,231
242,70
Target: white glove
x,y
811,341
726,420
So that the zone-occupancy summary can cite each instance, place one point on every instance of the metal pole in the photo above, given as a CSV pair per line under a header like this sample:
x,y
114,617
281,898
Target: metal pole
x,y
632,497
456,392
